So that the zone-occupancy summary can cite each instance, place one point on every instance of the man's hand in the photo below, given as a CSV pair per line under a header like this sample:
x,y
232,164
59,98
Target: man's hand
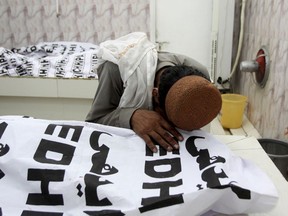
x,y
151,125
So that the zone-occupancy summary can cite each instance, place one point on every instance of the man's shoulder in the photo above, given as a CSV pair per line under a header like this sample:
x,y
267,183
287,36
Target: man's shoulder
x,y
171,56
166,54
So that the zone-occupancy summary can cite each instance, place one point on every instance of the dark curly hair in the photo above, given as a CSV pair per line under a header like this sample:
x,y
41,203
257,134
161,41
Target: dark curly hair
x,y
170,76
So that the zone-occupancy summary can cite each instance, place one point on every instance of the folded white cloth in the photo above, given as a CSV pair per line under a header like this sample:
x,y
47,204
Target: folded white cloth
x,y
136,57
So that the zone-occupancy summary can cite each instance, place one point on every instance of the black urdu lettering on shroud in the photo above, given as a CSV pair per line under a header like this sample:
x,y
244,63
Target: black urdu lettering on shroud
x,y
45,176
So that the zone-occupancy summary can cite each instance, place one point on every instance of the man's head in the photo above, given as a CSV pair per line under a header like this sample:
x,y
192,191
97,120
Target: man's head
x,y
186,97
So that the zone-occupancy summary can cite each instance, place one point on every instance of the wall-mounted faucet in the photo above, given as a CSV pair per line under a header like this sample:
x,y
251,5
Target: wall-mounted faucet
x,y
260,66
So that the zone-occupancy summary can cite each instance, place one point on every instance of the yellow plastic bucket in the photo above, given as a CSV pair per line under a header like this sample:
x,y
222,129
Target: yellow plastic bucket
x,y
233,106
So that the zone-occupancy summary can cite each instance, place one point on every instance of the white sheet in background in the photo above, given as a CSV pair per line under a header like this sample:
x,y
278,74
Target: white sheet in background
x,y
77,168
51,59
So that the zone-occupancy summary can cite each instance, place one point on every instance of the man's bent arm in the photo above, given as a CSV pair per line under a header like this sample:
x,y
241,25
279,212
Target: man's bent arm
x,y
104,109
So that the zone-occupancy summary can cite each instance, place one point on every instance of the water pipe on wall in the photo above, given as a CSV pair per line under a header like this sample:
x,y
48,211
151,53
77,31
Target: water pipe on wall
x,y
57,9
242,19
240,42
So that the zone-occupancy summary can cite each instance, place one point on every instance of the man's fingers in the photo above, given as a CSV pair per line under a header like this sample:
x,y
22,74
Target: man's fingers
x,y
151,126
158,139
172,130
162,142
168,138
149,143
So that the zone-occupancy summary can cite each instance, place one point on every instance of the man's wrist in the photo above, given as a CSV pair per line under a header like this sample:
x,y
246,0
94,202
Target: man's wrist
x,y
125,117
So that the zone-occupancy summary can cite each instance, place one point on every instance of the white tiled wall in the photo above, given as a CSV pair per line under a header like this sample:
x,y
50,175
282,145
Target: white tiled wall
x,y
266,24
25,22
